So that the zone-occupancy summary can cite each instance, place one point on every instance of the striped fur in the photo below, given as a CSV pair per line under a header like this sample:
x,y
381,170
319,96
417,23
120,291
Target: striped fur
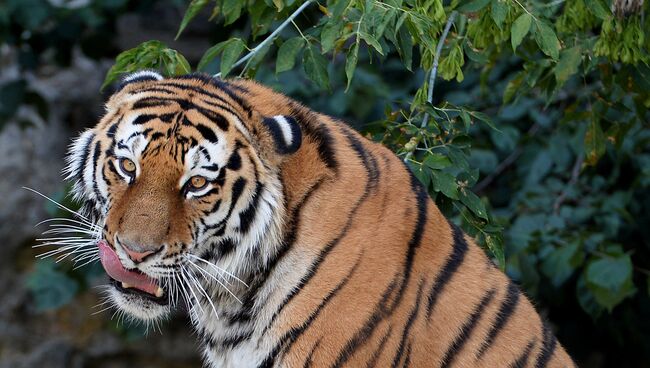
x,y
348,262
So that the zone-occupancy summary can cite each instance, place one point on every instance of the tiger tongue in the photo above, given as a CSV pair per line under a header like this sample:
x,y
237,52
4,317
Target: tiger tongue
x,y
114,269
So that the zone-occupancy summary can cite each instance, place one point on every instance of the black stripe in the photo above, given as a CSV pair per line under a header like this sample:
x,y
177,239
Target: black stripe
x,y
233,341
79,170
408,326
369,162
407,360
380,348
466,330
111,131
381,309
153,89
144,118
276,131
506,310
310,357
452,264
211,95
548,346
522,360
319,134
96,166
149,102
295,332
234,162
206,133
214,117
247,216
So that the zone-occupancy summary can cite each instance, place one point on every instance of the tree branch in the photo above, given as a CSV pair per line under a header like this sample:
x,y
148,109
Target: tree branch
x,y
575,172
512,157
270,37
434,71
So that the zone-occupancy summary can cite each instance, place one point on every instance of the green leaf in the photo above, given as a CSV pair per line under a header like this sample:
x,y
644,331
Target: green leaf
x,y
278,4
494,243
598,8
560,264
436,161
316,67
484,118
445,183
50,287
192,10
421,173
546,39
210,54
594,142
329,35
520,29
473,202
568,65
499,11
372,41
405,49
512,87
148,55
610,280
287,54
610,272
472,6
231,53
351,63
231,10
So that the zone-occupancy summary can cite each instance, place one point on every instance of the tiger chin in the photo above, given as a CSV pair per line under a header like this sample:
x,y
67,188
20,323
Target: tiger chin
x,y
292,240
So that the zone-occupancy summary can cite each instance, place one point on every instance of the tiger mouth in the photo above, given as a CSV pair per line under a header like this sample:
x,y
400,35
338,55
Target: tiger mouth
x,y
159,298
131,281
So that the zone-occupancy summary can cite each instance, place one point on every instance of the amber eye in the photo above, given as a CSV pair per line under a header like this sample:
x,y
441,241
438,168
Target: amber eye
x,y
198,182
127,166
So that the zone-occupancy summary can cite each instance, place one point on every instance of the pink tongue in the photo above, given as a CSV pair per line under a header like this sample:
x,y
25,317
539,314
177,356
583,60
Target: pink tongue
x,y
114,269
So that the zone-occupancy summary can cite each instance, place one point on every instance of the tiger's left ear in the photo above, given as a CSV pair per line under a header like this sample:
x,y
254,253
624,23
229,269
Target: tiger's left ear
x,y
285,132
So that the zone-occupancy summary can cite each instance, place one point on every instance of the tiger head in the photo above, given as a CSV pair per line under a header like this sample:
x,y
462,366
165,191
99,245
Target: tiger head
x,y
182,176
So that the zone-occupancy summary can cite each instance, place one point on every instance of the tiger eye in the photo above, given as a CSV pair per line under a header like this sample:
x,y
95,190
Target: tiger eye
x,y
198,182
127,165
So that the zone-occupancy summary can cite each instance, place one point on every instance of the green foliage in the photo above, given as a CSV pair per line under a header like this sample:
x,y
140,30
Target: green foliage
x,y
156,55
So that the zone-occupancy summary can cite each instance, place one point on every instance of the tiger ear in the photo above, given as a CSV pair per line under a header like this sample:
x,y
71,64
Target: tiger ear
x,y
285,133
140,76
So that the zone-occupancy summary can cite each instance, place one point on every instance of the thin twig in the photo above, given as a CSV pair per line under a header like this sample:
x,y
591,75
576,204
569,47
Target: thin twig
x,y
434,70
270,38
512,157
436,59
575,172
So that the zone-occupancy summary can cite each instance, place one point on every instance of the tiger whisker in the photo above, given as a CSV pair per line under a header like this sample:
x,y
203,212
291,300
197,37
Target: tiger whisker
x,y
184,275
89,261
201,289
219,269
83,218
68,220
215,279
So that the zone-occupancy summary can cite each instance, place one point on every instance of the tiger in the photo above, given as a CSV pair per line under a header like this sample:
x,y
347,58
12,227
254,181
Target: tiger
x,y
291,239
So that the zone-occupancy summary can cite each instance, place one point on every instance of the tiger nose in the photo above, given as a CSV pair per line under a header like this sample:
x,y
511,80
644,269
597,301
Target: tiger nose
x,y
136,252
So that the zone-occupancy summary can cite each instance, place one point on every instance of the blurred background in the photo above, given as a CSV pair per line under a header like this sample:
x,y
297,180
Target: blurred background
x,y
578,241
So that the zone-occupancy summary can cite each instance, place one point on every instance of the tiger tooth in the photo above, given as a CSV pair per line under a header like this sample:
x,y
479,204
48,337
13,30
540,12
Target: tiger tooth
x,y
159,292
126,286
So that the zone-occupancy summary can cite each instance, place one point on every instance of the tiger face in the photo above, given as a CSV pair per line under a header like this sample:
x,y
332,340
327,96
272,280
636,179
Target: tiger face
x,y
184,182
